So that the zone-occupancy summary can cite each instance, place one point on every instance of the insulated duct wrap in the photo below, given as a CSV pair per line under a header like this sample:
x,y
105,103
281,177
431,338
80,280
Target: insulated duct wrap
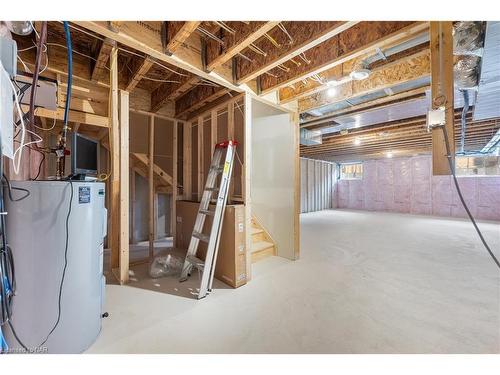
x,y
468,38
466,71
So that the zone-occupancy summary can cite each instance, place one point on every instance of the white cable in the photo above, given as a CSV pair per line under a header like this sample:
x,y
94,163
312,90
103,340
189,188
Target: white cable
x,y
23,128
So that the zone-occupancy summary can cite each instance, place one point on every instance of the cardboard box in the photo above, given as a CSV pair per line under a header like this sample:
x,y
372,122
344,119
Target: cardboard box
x,y
230,267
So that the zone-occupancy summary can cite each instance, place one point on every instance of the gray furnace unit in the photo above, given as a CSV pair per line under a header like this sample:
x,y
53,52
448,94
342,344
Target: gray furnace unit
x,y
36,231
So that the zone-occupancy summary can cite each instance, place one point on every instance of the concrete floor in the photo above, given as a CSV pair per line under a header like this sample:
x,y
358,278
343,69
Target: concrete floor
x,y
366,283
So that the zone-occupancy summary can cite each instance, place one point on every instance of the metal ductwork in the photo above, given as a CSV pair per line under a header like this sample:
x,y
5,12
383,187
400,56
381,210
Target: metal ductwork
x,y
310,137
488,94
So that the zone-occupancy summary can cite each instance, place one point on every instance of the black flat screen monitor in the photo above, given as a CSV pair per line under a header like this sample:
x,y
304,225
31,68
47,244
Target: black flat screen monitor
x,y
84,154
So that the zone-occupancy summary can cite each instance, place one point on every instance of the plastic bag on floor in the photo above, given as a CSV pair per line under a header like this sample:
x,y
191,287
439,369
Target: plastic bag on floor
x,y
166,265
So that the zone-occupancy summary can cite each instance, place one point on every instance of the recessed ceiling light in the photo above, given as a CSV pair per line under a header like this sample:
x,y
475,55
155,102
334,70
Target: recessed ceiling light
x,y
357,141
389,154
360,74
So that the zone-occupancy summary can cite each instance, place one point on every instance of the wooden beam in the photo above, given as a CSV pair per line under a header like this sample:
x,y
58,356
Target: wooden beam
x,y
305,35
101,59
124,187
186,161
213,130
173,218
244,35
349,44
141,162
140,72
414,67
230,136
201,159
74,116
171,90
132,202
178,32
114,143
197,98
442,90
151,187
247,172
341,72
146,37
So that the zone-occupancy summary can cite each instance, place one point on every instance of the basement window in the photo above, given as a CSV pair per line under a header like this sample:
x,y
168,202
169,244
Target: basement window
x,y
477,165
351,171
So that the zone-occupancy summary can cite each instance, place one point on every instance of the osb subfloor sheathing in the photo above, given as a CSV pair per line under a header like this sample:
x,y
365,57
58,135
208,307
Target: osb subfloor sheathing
x,y
366,282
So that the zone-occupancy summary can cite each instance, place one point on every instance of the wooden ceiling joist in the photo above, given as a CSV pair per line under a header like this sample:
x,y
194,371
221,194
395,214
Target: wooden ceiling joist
x,y
341,73
398,137
170,91
243,35
197,98
406,70
354,42
145,37
101,59
139,73
178,32
301,37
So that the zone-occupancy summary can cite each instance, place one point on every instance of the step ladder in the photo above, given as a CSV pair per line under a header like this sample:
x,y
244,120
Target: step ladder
x,y
207,267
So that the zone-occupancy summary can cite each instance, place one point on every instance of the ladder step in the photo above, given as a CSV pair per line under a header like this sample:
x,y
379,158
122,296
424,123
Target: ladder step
x,y
207,212
212,189
217,169
201,236
196,262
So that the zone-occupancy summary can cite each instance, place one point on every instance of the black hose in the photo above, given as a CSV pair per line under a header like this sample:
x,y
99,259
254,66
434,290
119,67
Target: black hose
x,y
452,169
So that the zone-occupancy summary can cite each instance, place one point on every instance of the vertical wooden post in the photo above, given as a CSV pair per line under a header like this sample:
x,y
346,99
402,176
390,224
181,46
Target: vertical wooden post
x,y
151,186
247,165
213,129
201,159
186,162
132,202
173,220
114,144
442,88
230,135
124,186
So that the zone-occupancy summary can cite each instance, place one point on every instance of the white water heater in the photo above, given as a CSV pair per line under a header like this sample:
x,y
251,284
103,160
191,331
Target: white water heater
x,y
36,232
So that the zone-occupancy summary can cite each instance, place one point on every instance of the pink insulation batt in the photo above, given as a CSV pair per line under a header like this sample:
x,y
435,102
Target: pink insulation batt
x,y
406,185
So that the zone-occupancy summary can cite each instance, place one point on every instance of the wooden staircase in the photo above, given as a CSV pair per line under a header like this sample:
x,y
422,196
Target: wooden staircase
x,y
162,180
263,245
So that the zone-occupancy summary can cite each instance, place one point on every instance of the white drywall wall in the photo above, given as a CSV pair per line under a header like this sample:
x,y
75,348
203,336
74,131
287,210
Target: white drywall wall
x,y
273,175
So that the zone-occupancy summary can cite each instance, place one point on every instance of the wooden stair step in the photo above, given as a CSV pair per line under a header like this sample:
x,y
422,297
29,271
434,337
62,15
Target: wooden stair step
x,y
261,245
257,230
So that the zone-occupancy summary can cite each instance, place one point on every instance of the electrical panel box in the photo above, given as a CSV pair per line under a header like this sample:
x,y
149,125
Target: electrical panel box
x,y
46,92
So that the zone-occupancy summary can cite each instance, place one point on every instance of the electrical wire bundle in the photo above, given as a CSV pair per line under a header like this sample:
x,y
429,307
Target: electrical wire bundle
x,y
7,270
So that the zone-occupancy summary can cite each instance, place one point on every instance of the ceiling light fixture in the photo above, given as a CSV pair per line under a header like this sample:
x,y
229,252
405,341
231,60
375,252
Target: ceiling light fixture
x,y
357,141
360,72
332,91
389,154
20,27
